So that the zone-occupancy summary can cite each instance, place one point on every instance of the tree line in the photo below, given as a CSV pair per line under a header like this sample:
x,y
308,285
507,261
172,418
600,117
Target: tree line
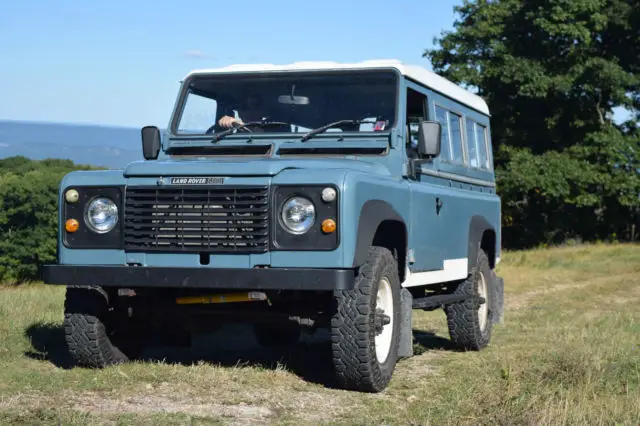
x,y
553,73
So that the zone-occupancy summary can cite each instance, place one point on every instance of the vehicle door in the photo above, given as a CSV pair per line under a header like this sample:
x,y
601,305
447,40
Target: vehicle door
x,y
426,236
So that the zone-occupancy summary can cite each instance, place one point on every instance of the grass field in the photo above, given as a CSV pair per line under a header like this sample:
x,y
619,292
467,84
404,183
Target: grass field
x,y
568,353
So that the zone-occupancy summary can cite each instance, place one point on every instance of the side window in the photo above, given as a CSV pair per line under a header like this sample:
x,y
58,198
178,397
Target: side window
x,y
472,145
198,115
416,113
481,140
445,146
477,145
455,127
451,142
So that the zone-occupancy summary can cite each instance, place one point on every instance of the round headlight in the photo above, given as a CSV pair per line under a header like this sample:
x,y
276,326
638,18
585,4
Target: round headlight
x,y
101,215
298,215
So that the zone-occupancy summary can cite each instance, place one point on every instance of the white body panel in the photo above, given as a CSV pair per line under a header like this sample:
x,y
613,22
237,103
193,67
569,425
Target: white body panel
x,y
454,269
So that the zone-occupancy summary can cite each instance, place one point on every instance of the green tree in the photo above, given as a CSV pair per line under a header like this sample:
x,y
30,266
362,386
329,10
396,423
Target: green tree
x,y
552,73
29,215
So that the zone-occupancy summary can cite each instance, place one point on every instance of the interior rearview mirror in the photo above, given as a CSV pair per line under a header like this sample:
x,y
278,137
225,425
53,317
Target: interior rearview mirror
x,y
429,134
293,100
150,142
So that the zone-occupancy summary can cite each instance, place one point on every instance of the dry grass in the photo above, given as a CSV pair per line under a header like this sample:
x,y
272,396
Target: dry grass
x,y
568,353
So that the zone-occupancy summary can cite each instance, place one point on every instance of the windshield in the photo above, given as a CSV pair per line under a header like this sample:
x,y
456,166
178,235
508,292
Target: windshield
x,y
298,102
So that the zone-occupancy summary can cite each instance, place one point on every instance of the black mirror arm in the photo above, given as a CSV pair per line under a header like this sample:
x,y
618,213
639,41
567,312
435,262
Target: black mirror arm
x,y
415,163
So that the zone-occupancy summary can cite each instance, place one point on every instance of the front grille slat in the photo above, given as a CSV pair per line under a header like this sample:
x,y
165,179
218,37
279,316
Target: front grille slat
x,y
221,233
138,211
196,195
199,200
194,225
217,219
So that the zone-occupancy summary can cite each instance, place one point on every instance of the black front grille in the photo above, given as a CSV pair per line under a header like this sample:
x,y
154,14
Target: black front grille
x,y
186,219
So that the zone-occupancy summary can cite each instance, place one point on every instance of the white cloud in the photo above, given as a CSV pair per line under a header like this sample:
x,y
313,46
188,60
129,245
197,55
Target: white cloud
x,y
4,145
195,54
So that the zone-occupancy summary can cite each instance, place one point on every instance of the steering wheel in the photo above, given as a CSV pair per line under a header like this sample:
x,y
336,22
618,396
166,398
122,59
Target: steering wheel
x,y
211,129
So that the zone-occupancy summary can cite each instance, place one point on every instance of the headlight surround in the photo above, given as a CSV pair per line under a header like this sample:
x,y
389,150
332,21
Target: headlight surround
x,y
284,238
87,236
298,215
101,215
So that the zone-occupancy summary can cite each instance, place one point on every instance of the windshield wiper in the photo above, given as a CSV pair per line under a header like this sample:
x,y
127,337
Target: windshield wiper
x,y
218,136
326,127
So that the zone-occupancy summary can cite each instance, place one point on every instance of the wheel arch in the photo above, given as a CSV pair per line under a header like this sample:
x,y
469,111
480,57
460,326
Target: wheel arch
x,y
482,235
381,225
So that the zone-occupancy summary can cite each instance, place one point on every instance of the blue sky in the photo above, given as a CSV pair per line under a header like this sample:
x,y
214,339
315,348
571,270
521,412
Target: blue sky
x,y
119,62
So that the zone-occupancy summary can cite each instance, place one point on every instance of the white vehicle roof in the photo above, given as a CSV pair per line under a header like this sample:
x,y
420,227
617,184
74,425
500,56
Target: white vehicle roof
x,y
414,72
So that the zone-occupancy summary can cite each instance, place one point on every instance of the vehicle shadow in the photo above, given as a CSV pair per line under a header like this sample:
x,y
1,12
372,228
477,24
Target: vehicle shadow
x,y
231,346
427,340
47,341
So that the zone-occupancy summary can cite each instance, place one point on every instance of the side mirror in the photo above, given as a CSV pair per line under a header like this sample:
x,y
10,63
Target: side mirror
x,y
429,134
150,142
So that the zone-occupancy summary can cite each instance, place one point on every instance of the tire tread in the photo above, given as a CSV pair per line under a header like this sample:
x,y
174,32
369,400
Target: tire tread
x,y
352,328
462,318
85,333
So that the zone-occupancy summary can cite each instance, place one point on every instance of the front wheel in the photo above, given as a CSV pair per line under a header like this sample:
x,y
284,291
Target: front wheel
x,y
365,326
91,332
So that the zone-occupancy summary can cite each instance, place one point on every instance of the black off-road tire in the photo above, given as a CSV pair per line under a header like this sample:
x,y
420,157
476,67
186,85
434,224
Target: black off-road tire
x,y
353,327
463,318
90,331
276,334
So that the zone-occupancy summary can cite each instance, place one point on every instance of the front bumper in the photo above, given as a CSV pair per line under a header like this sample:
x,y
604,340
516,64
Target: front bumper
x,y
219,278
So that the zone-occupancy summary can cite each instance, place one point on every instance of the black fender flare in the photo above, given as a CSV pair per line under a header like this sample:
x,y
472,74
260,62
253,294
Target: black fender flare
x,y
477,227
372,214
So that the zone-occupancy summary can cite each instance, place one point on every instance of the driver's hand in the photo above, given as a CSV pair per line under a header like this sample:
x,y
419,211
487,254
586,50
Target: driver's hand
x,y
227,122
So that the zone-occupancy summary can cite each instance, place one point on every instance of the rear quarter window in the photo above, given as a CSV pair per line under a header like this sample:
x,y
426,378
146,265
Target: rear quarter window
x,y
451,139
477,146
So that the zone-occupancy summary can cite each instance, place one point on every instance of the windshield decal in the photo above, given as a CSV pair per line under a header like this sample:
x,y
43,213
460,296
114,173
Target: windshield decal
x,y
380,126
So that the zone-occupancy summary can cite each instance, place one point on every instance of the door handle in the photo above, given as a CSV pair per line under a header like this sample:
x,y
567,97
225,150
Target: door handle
x,y
438,205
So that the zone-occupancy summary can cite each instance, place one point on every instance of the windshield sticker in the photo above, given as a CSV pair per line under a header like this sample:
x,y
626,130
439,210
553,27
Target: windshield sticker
x,y
380,126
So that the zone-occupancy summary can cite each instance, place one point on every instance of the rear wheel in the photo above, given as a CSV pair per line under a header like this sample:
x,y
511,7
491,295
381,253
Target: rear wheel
x,y
366,324
95,336
470,322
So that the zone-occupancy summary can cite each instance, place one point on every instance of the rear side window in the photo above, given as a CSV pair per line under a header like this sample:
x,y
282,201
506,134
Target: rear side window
x,y
481,140
455,129
477,145
445,146
472,146
451,141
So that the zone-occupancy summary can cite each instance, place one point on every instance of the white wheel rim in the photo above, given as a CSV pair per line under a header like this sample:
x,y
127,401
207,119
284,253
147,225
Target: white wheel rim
x,y
384,302
483,310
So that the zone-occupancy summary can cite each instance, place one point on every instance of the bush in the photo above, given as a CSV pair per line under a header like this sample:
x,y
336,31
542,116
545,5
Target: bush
x,y
29,215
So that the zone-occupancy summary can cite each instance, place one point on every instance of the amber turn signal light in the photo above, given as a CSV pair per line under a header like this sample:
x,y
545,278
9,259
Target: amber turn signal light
x,y
71,225
328,226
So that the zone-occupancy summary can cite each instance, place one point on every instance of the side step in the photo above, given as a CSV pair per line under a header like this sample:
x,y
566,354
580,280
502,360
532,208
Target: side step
x,y
431,302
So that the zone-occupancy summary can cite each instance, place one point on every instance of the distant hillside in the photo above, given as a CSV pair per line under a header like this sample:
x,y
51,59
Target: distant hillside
x,y
111,147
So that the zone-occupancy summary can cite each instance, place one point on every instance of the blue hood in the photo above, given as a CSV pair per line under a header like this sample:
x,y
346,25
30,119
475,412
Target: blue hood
x,y
245,167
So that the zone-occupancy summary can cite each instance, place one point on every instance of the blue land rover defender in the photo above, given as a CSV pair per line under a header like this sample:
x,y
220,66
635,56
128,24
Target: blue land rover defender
x,y
297,197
